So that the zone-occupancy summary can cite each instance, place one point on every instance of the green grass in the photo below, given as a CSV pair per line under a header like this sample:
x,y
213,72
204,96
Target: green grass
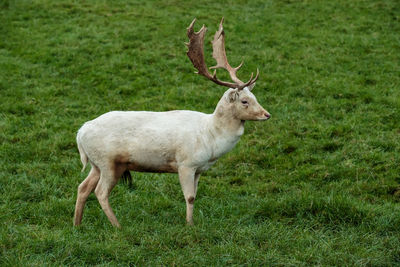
x,y
318,184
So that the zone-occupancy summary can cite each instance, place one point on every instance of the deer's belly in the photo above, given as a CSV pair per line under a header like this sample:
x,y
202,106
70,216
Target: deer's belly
x,y
148,162
170,167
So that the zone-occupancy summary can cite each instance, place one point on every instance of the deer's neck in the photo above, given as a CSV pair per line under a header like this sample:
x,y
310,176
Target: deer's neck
x,y
225,123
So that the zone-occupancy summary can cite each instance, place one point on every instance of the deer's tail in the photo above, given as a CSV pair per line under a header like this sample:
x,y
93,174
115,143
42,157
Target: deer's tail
x,y
84,157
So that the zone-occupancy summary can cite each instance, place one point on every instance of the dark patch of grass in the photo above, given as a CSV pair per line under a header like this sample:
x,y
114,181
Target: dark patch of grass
x,y
334,210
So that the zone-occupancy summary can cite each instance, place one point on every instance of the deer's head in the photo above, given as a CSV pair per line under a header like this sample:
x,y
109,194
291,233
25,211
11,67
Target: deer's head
x,y
238,98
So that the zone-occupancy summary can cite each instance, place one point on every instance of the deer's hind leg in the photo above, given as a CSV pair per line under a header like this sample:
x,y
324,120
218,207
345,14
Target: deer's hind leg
x,y
108,179
84,190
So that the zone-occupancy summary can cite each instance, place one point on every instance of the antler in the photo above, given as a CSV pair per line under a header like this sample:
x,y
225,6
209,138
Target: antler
x,y
196,55
219,55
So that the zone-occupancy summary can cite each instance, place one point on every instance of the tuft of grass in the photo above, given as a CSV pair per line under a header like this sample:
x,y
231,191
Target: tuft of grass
x,y
318,184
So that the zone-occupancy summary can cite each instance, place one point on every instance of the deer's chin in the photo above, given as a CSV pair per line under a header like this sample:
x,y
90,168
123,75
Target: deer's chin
x,y
255,119
262,119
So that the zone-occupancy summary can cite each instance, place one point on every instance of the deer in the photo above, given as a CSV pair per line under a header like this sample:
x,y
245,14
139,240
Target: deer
x,y
180,141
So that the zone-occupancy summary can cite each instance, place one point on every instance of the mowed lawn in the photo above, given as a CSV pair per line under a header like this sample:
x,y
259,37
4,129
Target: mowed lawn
x,y
317,184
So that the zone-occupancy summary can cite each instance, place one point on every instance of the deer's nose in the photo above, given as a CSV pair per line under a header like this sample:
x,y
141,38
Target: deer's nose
x,y
267,115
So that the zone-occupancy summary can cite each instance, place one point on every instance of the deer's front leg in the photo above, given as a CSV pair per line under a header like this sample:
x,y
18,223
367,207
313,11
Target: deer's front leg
x,y
186,178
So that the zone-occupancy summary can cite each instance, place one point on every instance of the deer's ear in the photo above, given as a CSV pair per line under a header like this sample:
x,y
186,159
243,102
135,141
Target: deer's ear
x,y
250,87
232,96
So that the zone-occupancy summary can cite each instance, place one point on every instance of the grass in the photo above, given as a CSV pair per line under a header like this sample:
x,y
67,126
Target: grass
x,y
318,184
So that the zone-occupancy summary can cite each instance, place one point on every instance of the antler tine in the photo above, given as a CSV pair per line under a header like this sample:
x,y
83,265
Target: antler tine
x,y
247,83
256,78
251,80
240,65
190,28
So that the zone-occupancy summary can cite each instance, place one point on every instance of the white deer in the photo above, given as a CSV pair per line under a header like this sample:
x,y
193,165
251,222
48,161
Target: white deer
x,y
181,141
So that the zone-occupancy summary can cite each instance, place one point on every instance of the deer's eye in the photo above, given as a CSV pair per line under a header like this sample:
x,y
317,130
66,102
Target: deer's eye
x,y
244,102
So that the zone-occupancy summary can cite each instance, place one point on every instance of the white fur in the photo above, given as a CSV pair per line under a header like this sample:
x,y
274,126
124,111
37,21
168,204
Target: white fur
x,y
186,142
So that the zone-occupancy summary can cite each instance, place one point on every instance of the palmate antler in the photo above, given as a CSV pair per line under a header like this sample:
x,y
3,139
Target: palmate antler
x,y
196,55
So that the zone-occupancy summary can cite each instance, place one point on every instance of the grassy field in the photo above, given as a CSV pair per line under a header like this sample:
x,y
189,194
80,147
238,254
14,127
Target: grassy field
x,y
318,184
